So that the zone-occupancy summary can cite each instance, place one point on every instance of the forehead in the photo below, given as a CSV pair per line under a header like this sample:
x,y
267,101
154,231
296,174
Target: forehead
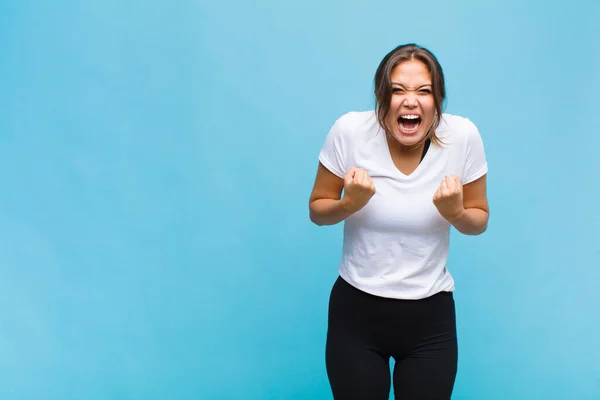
x,y
412,72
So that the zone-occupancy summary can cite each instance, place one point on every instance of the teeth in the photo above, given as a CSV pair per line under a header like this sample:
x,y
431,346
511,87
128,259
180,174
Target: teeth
x,y
413,117
416,128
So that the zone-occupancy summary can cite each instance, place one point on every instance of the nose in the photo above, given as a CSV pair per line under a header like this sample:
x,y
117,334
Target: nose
x,y
411,99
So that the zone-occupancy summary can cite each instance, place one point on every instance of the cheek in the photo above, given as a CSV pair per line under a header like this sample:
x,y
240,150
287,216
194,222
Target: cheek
x,y
394,106
429,107
395,102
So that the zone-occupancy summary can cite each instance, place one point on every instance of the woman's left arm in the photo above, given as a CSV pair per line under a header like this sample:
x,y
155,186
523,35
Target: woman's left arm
x,y
473,219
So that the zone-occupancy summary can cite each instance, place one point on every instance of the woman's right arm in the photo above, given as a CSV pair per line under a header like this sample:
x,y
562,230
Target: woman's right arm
x,y
326,204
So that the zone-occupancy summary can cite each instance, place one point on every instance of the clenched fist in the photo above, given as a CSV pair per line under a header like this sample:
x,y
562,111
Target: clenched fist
x,y
448,199
358,188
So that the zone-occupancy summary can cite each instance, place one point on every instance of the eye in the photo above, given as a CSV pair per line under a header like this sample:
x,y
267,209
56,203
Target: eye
x,y
425,91
397,90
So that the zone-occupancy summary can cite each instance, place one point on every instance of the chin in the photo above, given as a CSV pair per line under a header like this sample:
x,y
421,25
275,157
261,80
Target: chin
x,y
408,140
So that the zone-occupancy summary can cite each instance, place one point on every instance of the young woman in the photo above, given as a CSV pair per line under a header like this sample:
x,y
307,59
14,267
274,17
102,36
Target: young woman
x,y
407,172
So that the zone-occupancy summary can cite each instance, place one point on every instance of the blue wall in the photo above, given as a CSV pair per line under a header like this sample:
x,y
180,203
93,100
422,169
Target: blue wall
x,y
156,163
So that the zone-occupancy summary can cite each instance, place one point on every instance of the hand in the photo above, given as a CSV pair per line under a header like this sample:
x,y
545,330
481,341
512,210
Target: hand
x,y
448,199
358,188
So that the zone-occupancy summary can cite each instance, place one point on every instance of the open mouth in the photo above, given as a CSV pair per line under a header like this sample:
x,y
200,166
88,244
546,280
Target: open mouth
x,y
409,123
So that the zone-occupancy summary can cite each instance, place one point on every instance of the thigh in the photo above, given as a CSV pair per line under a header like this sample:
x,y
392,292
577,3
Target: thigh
x,y
356,366
356,372
428,374
427,370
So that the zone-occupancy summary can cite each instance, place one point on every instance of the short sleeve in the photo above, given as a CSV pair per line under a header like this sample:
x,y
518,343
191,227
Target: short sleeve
x,y
333,154
475,165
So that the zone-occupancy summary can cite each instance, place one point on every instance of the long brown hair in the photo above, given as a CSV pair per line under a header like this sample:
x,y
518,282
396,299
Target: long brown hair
x,y
383,84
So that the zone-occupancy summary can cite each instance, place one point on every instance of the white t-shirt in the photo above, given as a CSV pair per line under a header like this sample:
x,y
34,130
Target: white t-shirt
x,y
397,245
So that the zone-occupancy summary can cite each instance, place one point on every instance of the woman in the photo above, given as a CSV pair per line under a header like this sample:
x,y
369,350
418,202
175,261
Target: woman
x,y
408,172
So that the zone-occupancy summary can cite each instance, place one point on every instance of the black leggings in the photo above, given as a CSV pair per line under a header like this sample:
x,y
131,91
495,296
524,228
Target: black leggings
x,y
365,331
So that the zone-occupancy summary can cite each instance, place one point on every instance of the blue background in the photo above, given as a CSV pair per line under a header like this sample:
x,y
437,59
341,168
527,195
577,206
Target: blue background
x,y
156,163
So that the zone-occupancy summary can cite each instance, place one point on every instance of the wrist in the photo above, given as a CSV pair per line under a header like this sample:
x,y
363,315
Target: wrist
x,y
456,216
348,205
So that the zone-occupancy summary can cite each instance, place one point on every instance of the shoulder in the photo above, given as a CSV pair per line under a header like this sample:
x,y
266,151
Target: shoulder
x,y
346,135
353,123
458,130
455,126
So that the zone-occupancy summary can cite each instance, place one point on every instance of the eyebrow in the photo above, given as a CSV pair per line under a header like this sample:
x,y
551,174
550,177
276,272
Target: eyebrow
x,y
418,87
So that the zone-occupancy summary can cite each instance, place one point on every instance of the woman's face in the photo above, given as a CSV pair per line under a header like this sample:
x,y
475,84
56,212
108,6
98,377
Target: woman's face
x,y
412,107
